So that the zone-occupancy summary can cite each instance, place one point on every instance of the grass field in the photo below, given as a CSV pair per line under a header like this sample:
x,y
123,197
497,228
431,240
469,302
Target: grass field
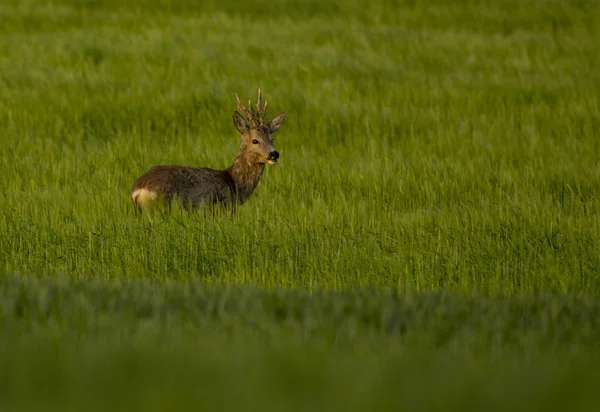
x,y
429,240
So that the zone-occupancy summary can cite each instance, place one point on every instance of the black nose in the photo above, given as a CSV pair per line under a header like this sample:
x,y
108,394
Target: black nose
x,y
274,155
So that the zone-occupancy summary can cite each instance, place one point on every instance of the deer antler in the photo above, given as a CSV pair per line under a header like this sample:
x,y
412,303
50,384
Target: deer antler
x,y
260,112
255,119
247,111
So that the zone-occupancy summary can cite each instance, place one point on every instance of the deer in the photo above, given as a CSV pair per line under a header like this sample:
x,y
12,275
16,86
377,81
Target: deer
x,y
228,188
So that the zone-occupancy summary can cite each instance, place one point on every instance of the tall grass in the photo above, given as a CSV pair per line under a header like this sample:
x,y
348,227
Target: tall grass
x,y
441,153
426,146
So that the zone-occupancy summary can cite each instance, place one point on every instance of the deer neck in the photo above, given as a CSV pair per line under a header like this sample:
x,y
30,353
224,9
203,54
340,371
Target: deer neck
x,y
246,175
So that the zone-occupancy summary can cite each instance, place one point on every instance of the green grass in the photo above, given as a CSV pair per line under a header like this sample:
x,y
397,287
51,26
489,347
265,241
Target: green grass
x,y
104,345
439,168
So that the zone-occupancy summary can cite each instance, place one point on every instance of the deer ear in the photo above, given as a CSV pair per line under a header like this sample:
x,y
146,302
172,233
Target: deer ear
x,y
276,122
239,122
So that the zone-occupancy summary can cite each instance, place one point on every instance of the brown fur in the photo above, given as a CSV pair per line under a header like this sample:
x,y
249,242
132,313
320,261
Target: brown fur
x,y
229,187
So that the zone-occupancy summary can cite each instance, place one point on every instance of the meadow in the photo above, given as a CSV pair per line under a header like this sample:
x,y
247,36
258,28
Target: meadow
x,y
428,240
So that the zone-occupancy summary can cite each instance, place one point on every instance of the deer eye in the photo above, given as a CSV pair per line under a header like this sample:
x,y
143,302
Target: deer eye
x,y
254,141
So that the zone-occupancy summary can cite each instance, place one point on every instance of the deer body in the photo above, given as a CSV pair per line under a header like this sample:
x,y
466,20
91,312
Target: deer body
x,y
194,186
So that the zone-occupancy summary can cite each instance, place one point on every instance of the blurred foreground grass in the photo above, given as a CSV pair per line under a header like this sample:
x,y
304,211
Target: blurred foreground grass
x,y
73,345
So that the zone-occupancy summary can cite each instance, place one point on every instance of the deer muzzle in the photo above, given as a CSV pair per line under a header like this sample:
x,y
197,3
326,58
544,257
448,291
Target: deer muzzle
x,y
273,157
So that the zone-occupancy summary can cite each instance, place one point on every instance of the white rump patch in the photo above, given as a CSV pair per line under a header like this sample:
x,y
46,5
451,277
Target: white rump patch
x,y
143,196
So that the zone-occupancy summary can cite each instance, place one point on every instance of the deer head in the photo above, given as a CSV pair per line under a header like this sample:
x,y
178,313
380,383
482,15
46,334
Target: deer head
x,y
256,131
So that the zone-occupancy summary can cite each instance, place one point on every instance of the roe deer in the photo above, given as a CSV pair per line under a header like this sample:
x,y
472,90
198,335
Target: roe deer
x,y
229,187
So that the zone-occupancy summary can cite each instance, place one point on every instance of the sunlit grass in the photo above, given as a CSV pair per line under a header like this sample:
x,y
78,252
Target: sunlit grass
x,y
436,202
